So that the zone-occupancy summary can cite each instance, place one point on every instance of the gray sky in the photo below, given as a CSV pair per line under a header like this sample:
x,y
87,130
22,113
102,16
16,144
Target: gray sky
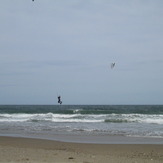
x,y
52,47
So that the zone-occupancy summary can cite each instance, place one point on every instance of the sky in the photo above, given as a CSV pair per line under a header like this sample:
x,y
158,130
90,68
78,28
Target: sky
x,y
65,47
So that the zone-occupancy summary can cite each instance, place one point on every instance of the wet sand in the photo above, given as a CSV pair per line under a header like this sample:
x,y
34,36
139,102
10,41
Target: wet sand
x,y
29,150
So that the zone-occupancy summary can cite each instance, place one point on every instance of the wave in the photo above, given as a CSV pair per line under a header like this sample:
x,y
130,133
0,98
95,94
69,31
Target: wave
x,y
47,117
80,118
117,121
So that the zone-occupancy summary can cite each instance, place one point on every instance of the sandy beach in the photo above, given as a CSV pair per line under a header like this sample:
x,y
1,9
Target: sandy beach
x,y
29,150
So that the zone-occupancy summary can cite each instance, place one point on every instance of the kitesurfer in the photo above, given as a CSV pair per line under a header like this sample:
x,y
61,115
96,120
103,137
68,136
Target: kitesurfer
x,y
59,100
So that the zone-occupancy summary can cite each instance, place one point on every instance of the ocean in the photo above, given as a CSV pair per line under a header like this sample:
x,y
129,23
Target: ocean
x,y
84,120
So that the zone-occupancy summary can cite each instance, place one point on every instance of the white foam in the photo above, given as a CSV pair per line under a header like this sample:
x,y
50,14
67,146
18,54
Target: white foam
x,y
136,118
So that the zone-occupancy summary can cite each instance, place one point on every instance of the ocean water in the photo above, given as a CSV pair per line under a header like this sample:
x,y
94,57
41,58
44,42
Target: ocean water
x,y
108,120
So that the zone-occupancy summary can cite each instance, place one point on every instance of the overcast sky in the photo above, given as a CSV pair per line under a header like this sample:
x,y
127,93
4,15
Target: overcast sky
x,y
65,47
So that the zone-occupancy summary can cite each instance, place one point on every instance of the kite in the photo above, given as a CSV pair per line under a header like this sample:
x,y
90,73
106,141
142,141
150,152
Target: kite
x,y
112,65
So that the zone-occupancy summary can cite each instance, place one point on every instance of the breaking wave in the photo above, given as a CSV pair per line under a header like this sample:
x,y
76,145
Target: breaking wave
x,y
87,118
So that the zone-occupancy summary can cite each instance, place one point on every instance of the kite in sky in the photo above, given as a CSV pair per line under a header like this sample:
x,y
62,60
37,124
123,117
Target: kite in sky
x,y
112,65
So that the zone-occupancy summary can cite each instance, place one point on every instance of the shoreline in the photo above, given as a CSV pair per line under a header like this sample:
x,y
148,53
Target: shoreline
x,y
90,139
33,150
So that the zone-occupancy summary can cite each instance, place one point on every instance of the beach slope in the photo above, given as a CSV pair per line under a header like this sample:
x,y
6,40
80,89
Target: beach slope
x,y
27,150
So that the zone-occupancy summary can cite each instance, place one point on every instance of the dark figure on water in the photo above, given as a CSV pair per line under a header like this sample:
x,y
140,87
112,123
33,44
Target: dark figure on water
x,y
59,100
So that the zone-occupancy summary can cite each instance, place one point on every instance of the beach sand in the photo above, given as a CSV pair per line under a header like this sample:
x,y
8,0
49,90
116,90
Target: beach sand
x,y
28,150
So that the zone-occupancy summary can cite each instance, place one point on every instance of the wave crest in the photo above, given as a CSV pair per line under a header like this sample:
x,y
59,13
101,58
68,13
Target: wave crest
x,y
116,121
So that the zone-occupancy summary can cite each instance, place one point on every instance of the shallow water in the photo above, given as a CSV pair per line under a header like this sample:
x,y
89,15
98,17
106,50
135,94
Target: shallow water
x,y
143,121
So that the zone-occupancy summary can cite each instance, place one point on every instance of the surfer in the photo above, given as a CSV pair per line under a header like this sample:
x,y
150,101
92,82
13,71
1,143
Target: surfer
x,y
59,100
